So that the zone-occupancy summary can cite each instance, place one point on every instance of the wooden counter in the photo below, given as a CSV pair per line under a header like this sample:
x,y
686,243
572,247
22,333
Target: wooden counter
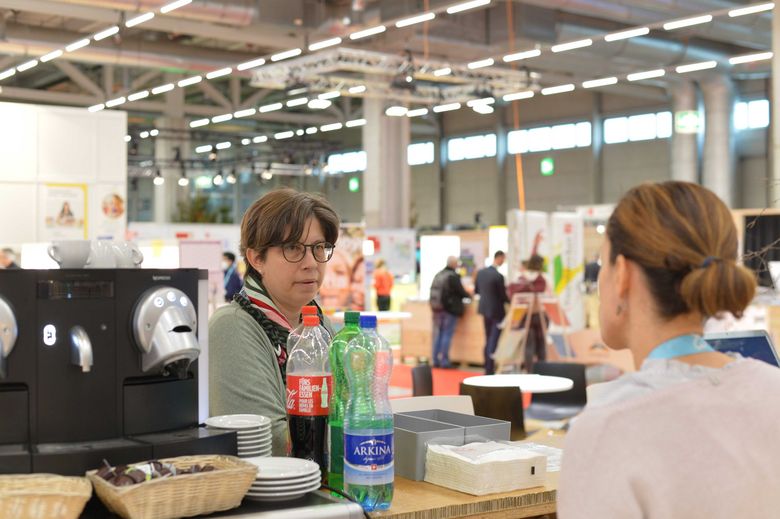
x,y
468,341
421,500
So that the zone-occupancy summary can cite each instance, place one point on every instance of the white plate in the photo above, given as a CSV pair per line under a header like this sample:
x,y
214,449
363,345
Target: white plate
x,y
284,486
238,421
277,467
255,454
258,447
255,439
290,494
254,430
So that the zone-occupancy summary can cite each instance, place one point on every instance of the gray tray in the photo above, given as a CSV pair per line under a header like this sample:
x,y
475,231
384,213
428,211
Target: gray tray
x,y
477,428
412,436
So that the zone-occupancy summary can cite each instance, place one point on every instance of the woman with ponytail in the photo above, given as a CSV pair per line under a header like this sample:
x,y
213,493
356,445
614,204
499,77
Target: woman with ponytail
x,y
693,432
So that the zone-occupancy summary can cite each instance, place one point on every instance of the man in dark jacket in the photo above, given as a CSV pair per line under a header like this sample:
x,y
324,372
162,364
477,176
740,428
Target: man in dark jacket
x,y
446,301
492,298
232,280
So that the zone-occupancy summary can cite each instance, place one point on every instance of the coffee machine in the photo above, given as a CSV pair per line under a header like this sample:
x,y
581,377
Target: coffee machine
x,y
100,363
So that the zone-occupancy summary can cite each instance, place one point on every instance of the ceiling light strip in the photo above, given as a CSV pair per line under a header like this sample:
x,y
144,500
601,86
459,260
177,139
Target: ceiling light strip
x,y
639,76
286,55
753,9
630,33
516,96
750,58
365,33
106,33
693,67
563,47
324,44
526,54
465,6
596,83
406,22
174,5
687,22
138,20
559,89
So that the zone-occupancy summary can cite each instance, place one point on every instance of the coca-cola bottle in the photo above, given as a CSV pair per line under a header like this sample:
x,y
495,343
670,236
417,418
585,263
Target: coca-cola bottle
x,y
309,385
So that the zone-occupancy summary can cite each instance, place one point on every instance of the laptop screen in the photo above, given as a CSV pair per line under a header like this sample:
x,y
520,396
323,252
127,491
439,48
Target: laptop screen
x,y
755,345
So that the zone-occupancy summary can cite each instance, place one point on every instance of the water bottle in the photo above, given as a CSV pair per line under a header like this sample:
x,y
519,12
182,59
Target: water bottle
x,y
295,333
309,385
368,422
338,401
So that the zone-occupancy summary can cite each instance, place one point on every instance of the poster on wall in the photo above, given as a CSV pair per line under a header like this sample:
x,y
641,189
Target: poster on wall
x,y
63,213
108,211
397,248
344,286
567,266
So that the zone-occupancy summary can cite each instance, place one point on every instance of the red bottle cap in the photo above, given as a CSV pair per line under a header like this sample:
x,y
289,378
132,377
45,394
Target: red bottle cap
x,y
311,320
309,310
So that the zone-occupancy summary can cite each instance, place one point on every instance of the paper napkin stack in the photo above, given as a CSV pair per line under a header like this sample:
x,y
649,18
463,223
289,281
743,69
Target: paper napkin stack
x,y
484,467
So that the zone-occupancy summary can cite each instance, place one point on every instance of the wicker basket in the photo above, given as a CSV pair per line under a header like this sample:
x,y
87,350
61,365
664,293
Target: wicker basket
x,y
43,496
186,495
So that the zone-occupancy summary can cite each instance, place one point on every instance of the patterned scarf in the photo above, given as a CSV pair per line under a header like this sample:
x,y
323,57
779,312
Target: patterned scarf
x,y
256,301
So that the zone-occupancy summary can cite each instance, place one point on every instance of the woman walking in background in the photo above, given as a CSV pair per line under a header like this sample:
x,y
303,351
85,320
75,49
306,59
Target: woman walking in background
x,y
383,283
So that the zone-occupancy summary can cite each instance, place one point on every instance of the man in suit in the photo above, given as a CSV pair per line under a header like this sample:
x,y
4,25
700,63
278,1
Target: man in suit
x,y
492,298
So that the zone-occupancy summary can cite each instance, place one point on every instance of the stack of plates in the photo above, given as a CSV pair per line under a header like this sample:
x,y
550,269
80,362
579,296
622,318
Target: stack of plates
x,y
254,432
283,479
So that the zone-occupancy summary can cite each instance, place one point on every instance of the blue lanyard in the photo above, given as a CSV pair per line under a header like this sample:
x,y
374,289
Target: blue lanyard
x,y
679,347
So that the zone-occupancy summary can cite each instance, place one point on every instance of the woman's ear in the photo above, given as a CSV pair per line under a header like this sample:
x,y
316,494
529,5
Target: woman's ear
x,y
254,259
623,269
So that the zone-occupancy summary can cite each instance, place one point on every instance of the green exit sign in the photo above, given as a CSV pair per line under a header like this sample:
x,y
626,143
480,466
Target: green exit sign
x,y
354,185
547,166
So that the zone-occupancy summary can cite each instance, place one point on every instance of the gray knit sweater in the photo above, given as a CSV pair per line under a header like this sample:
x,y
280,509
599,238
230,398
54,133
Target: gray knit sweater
x,y
243,373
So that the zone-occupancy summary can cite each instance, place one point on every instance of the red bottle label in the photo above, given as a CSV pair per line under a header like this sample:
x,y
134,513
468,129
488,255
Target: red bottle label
x,y
309,395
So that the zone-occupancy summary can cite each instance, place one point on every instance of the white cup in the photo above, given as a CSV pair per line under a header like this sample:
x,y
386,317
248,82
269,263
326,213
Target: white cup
x,y
127,255
71,254
103,256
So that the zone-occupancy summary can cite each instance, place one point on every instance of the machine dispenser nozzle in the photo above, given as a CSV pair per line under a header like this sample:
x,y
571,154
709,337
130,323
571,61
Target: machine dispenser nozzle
x,y
164,323
80,348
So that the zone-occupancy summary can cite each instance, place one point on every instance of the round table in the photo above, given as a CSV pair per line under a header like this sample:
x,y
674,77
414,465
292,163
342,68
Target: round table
x,y
527,383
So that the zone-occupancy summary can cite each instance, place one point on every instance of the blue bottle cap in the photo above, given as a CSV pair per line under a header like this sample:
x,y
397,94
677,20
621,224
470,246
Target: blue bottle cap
x,y
368,321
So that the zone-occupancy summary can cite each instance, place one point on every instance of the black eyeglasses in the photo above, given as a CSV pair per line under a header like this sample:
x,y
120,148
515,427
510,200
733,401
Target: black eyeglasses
x,y
294,252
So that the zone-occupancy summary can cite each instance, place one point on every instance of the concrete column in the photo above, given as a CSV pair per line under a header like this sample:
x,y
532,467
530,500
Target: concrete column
x,y
684,148
597,148
501,161
387,179
174,132
718,156
774,152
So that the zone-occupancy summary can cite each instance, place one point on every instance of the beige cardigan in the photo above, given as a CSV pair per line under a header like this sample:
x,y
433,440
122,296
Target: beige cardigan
x,y
708,447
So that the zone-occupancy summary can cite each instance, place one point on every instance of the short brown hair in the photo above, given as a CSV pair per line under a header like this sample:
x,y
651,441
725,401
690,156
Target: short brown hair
x,y
683,237
280,216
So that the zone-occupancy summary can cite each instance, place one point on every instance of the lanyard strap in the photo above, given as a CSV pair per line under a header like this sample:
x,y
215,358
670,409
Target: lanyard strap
x,y
679,347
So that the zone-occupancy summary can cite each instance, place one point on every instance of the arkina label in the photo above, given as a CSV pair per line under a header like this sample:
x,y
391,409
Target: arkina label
x,y
308,395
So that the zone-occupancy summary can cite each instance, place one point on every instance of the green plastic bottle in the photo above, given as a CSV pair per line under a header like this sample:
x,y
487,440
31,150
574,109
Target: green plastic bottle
x,y
339,397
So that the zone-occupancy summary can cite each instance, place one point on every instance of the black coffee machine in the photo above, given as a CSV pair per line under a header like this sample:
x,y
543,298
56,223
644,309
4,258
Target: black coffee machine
x,y
98,364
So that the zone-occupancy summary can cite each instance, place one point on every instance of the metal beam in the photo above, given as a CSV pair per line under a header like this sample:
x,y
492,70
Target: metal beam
x,y
144,79
255,98
264,35
62,98
235,90
214,94
78,77
26,40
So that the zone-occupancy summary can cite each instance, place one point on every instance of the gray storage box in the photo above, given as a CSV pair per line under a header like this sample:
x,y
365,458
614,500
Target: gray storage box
x,y
412,435
477,428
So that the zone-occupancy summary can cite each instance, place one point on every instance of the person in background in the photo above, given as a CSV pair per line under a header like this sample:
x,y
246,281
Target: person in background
x,y
232,280
446,302
383,283
7,259
287,237
693,432
492,298
591,275
532,281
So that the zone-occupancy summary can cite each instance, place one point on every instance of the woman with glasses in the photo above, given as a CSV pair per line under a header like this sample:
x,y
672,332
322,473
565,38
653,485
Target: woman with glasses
x,y
286,239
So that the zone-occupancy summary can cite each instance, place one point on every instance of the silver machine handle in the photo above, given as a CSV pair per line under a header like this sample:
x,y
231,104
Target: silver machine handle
x,y
8,335
80,348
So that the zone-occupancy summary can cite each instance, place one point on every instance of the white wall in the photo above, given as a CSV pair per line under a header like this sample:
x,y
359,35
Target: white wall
x,y
42,145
